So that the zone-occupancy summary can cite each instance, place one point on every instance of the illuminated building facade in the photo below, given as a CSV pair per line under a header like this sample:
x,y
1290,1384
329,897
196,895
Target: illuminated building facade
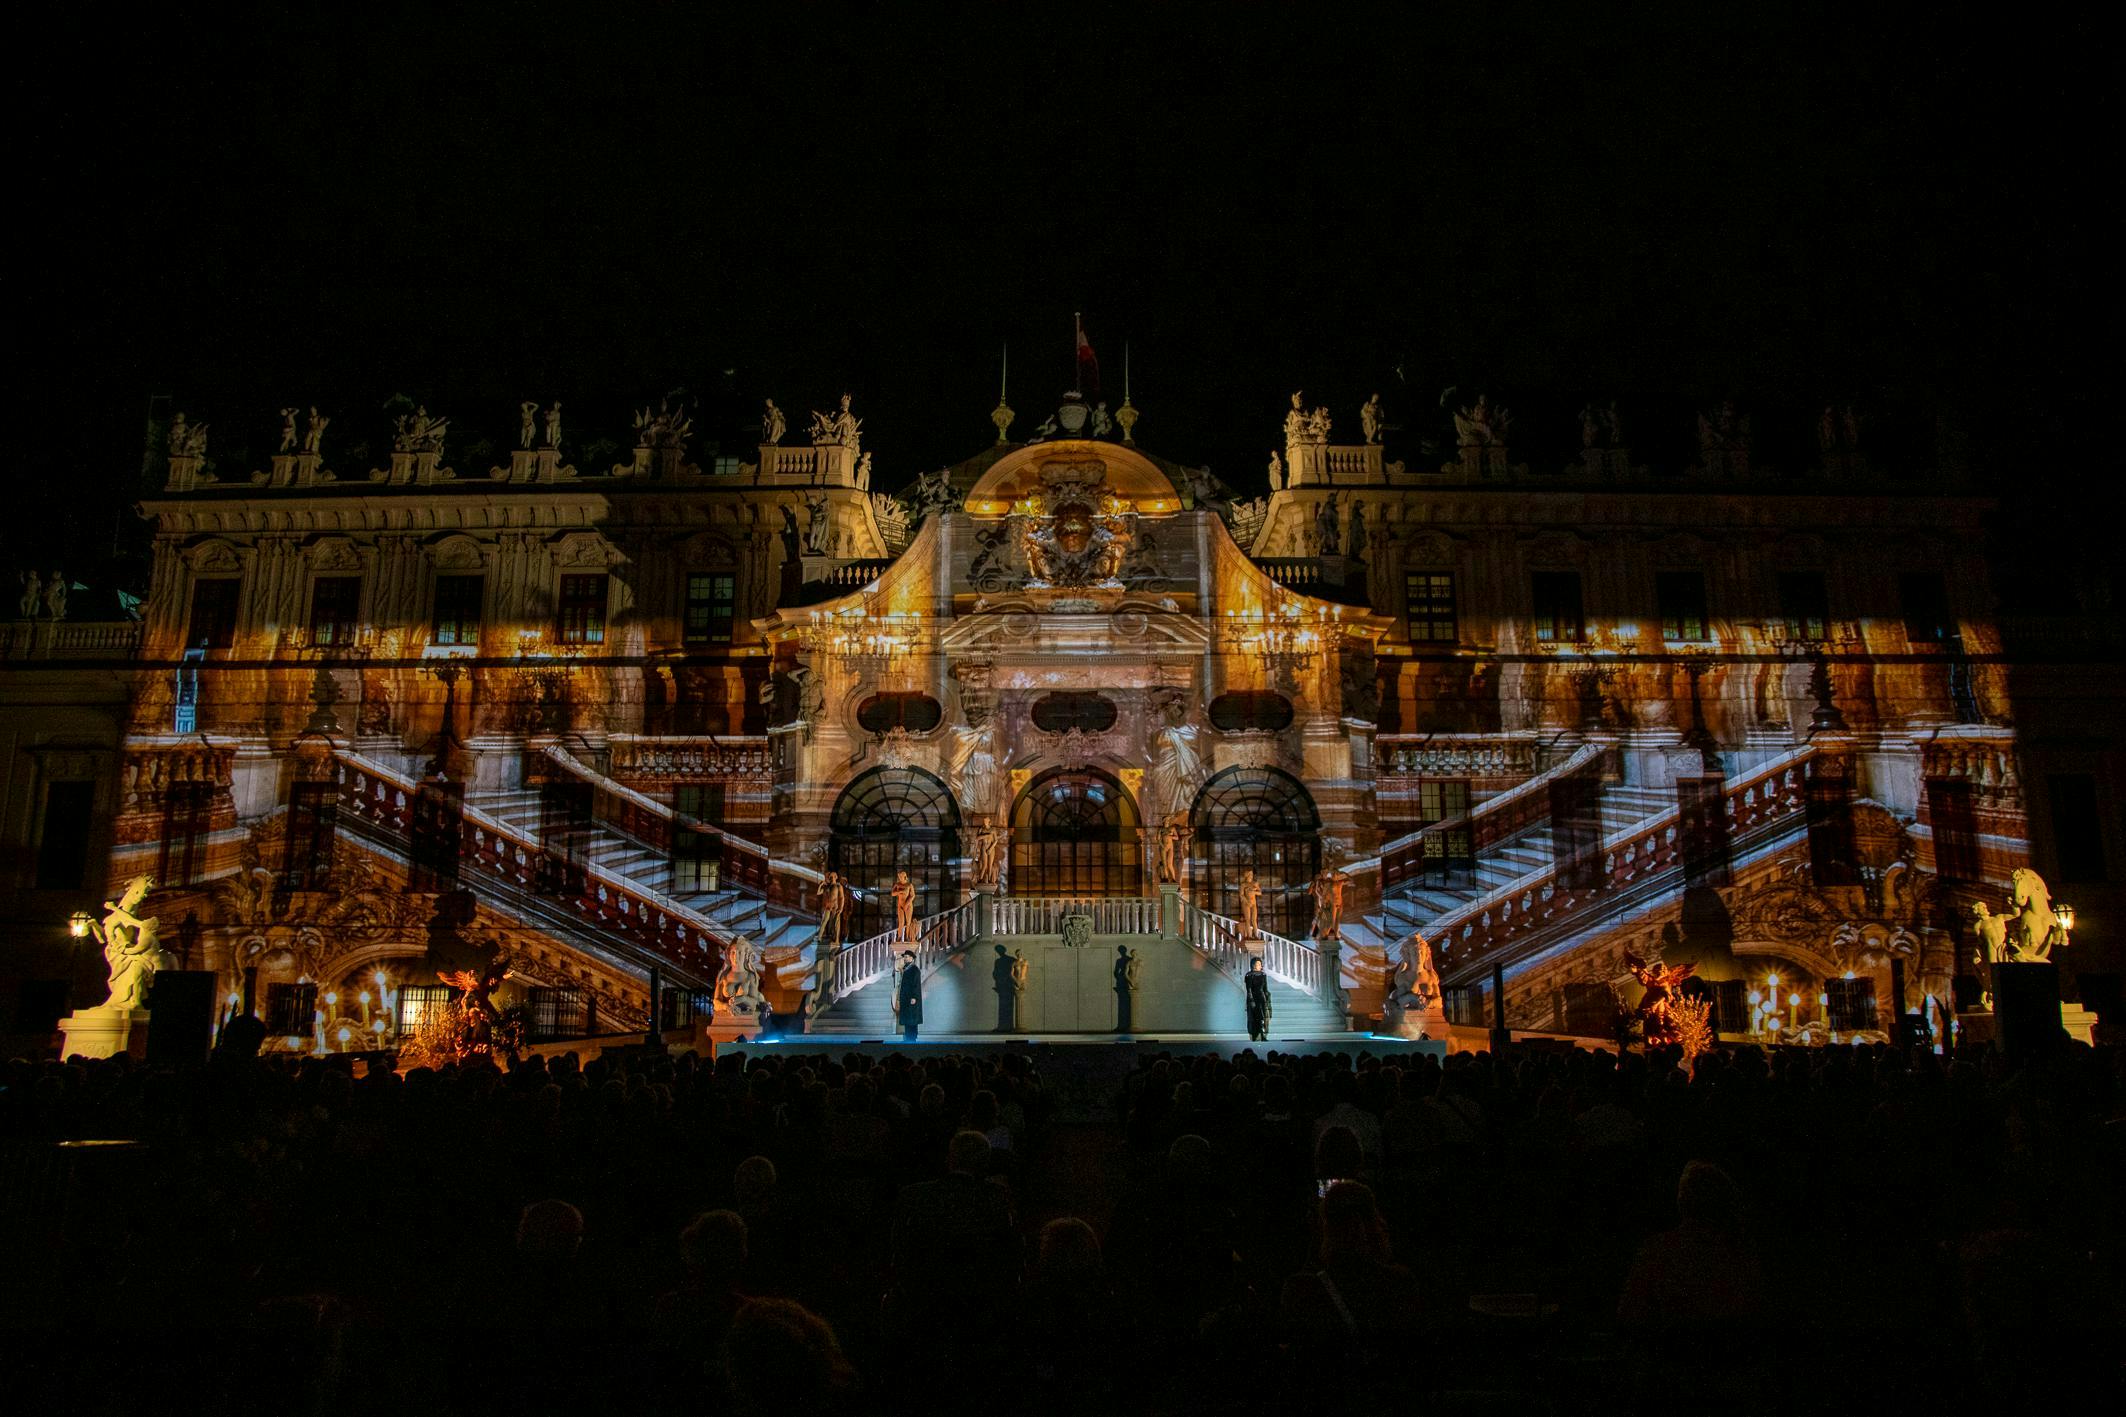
x,y
1738,719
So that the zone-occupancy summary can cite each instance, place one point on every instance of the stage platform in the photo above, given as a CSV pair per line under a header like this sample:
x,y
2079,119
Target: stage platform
x,y
1193,1045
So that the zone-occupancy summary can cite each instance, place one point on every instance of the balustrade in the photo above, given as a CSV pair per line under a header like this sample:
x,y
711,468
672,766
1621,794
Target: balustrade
x,y
1754,807
1292,963
1111,915
705,758
1497,819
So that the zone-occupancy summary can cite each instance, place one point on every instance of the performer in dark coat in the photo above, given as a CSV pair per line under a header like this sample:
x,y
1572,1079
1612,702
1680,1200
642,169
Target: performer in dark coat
x,y
1258,985
911,996
1125,990
1007,992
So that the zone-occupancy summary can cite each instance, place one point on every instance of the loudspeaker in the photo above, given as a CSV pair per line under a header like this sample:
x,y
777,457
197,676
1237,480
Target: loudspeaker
x,y
2026,1006
180,1017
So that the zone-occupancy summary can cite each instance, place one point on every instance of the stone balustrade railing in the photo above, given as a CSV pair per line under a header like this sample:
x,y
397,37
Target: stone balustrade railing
x,y
149,770
1634,862
706,758
1111,915
1496,819
1293,963
657,927
60,639
867,961
746,864
1981,756
1445,755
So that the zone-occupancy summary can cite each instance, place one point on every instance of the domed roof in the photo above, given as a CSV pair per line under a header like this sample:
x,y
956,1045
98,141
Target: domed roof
x,y
1119,471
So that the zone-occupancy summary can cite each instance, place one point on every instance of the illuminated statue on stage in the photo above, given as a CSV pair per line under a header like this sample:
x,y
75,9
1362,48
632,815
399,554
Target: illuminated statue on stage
x,y
1656,1013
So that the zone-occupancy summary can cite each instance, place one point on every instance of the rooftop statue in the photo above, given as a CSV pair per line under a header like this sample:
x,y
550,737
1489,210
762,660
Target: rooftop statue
x,y
841,426
1295,419
528,423
287,430
1276,472
32,595
553,426
187,440
314,433
819,523
1355,531
1481,425
1371,419
1102,424
418,433
772,424
55,596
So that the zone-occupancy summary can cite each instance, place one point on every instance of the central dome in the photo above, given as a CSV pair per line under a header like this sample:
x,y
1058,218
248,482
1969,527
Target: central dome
x,y
1031,471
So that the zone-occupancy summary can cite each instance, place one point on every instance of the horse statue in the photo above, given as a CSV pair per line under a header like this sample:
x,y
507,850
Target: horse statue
x,y
2034,916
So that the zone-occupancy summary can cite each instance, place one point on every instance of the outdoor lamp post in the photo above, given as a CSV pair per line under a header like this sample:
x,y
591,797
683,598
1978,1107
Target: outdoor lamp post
x,y
78,924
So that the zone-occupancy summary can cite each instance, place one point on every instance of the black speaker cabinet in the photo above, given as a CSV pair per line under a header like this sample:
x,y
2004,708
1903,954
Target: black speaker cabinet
x,y
180,1017
2026,1006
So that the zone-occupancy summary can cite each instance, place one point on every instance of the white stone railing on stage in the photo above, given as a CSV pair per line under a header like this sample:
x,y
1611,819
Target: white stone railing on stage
x,y
1292,963
868,961
1112,915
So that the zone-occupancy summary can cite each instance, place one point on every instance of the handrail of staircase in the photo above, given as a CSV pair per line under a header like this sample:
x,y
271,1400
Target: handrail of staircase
x,y
607,901
1631,857
1293,963
940,936
1490,821
1112,915
747,864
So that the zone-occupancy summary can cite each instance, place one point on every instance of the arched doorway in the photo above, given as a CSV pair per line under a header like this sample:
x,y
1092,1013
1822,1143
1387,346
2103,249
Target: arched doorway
x,y
1265,819
889,820
1074,833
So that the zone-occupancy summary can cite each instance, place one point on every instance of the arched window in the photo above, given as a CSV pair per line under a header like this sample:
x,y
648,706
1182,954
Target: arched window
x,y
1074,833
888,820
1263,819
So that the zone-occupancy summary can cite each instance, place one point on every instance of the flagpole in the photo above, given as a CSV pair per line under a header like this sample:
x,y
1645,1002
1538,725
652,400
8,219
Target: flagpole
x,y
1004,376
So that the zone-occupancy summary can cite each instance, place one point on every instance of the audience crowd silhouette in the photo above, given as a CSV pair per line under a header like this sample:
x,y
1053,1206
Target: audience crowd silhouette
x,y
1546,1230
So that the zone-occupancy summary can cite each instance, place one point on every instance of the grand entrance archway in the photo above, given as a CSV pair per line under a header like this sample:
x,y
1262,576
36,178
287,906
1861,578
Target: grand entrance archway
x,y
1074,833
889,820
1264,819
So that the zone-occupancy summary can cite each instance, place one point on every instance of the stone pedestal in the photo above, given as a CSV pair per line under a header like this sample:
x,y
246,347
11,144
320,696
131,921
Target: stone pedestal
x,y
2026,1006
105,1032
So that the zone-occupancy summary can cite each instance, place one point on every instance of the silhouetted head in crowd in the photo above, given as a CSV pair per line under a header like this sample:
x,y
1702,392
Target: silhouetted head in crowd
x,y
713,1247
549,1231
1708,1198
1351,1225
1337,1154
241,1037
968,1154
780,1357
1068,1249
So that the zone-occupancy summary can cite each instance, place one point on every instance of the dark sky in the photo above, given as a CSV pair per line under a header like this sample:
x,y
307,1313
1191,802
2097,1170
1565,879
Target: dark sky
x,y
604,203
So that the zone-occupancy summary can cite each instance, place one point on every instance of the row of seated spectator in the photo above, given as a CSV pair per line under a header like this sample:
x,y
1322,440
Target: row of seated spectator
x,y
1553,1228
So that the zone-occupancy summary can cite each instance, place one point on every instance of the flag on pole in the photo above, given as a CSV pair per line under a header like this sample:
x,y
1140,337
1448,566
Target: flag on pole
x,y
1088,362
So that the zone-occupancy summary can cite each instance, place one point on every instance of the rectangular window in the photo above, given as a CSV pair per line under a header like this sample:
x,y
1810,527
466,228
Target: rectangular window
x,y
63,845
213,614
335,609
565,1012
1558,618
1804,606
581,618
1852,1004
291,1010
1576,830
726,465
1449,852
1464,1004
1731,1010
679,1008
1954,821
422,1006
564,835
313,816
697,855
1701,805
1428,604
457,618
1924,599
712,604
187,815
1680,597
1832,854
438,829
2077,828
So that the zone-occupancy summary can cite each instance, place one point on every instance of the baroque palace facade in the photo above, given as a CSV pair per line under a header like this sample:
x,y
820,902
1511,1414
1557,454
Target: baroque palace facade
x,y
610,726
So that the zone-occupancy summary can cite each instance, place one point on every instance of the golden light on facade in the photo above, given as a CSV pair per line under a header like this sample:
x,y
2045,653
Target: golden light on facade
x,y
78,924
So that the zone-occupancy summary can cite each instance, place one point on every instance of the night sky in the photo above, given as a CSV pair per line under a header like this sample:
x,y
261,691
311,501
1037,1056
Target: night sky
x,y
1789,204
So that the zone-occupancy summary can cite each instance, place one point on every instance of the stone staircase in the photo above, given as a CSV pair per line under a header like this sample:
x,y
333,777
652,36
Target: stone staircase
x,y
771,928
1419,908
